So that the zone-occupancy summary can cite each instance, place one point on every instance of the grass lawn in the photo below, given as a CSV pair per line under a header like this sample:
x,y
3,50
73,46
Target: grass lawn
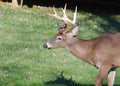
x,y
24,61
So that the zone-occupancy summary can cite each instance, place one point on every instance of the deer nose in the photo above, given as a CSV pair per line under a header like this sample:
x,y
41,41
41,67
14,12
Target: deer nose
x,y
45,46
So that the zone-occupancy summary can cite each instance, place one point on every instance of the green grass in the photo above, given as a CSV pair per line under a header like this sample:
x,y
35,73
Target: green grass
x,y
24,61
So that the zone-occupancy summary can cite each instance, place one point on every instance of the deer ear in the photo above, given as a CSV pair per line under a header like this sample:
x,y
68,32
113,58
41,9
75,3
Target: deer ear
x,y
75,31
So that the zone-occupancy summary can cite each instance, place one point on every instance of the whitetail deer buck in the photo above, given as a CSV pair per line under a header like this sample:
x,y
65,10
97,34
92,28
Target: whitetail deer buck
x,y
102,52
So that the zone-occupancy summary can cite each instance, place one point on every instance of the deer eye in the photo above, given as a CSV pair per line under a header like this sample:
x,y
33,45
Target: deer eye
x,y
59,38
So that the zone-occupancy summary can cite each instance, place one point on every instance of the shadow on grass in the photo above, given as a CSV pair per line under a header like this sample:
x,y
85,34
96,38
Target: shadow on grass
x,y
107,23
61,80
113,24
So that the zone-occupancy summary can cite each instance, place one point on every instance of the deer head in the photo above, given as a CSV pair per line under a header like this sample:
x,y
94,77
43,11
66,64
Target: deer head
x,y
66,33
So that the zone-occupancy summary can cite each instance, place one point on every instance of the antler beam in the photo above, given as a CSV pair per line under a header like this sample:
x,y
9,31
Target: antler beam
x,y
65,19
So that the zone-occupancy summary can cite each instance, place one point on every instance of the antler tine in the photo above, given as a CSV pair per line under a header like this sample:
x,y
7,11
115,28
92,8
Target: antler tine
x,y
74,18
55,14
54,10
64,12
65,19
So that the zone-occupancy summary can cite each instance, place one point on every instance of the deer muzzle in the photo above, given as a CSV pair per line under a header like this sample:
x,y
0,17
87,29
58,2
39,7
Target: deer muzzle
x,y
47,46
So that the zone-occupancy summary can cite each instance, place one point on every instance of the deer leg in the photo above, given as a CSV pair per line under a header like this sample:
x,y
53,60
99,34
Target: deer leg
x,y
103,71
111,77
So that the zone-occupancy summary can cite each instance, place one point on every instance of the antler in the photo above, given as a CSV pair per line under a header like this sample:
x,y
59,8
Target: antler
x,y
65,19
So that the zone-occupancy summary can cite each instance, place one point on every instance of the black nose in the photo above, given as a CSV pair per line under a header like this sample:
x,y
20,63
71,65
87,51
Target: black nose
x,y
45,46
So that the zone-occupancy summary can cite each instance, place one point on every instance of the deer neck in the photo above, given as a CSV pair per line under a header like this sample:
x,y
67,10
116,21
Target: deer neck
x,y
81,49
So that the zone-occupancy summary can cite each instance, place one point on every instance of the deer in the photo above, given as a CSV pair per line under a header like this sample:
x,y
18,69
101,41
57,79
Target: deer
x,y
103,52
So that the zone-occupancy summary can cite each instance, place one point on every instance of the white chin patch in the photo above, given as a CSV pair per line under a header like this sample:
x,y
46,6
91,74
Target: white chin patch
x,y
49,45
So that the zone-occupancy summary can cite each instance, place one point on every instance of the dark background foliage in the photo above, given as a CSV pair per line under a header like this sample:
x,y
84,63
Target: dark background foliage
x,y
94,6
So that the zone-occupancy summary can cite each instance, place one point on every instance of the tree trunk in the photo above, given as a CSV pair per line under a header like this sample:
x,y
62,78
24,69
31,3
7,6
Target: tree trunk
x,y
21,4
15,3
